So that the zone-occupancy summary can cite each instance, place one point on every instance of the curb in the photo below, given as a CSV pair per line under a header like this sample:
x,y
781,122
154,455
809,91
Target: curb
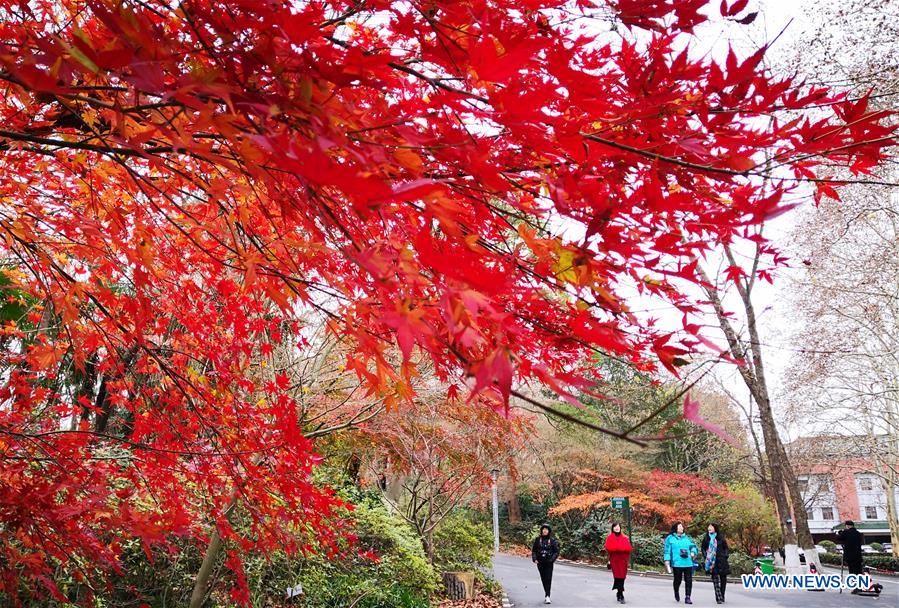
x,y
506,602
643,573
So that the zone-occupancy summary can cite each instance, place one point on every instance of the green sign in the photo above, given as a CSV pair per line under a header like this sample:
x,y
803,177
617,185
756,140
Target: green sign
x,y
620,502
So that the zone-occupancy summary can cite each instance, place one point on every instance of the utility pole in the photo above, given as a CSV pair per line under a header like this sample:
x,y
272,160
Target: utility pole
x,y
493,474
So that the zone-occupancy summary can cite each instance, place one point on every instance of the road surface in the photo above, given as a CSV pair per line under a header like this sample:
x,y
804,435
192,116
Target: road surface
x,y
584,587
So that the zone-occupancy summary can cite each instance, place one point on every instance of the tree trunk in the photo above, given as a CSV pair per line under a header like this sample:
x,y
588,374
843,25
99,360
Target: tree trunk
x,y
212,551
459,585
890,485
777,465
887,474
783,480
514,506
803,533
427,542
889,468
764,480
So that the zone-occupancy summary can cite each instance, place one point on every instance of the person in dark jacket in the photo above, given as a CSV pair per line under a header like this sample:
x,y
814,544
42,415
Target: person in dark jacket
x,y
715,552
852,541
544,553
619,548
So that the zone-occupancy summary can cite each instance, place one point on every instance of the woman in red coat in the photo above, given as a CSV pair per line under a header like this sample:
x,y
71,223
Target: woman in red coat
x,y
619,549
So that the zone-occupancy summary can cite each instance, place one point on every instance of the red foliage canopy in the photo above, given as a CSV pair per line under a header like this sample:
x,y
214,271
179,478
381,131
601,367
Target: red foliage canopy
x,y
657,498
182,181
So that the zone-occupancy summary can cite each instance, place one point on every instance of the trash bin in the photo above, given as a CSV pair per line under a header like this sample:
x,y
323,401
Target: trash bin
x,y
766,564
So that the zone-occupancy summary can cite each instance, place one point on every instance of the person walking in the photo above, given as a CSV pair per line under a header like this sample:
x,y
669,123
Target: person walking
x,y
544,553
680,550
852,541
716,553
619,548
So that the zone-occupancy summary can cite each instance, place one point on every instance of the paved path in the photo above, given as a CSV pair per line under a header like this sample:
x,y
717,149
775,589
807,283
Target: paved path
x,y
584,587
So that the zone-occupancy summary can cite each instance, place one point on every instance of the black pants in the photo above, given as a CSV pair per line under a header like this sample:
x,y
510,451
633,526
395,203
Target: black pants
x,y
619,585
855,565
546,575
719,581
687,575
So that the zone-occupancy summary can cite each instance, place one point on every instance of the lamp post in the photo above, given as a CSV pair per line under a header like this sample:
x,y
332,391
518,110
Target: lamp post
x,y
493,475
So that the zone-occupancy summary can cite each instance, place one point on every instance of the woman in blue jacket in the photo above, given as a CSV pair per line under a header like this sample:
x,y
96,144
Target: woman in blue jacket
x,y
680,550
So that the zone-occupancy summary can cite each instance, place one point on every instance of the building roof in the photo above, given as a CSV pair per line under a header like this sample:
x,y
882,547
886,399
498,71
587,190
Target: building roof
x,y
825,447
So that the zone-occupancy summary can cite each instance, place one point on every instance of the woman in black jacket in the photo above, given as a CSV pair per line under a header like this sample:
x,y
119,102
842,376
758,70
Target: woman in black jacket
x,y
715,552
544,552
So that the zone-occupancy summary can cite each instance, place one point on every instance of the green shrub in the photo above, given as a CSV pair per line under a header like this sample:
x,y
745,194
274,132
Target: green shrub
x,y
649,548
402,556
740,563
829,545
877,547
460,543
401,577
587,541
882,562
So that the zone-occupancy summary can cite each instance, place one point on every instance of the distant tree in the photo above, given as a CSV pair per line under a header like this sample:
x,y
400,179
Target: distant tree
x,y
845,363
748,519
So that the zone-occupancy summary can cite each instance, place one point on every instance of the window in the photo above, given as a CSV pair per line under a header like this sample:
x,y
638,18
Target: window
x,y
810,513
803,486
870,512
827,513
865,484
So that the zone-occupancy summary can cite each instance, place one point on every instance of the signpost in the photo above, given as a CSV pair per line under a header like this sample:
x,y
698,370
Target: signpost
x,y
623,502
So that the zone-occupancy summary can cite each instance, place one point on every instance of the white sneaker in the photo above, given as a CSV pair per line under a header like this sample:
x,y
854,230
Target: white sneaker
x,y
547,600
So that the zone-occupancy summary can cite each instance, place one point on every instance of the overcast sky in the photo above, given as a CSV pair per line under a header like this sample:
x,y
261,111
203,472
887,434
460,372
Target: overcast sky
x,y
773,303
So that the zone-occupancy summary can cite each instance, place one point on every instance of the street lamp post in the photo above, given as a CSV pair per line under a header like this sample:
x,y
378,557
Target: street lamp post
x,y
493,474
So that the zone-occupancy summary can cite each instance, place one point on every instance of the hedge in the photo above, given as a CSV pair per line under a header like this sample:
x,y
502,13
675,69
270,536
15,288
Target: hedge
x,y
880,562
883,562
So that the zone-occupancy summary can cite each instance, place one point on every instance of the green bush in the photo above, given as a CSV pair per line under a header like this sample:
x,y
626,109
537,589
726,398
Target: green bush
x,y
877,547
399,547
401,577
461,543
740,563
829,545
880,562
883,562
587,541
649,548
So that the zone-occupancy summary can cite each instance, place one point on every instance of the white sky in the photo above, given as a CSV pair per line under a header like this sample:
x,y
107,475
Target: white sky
x,y
772,302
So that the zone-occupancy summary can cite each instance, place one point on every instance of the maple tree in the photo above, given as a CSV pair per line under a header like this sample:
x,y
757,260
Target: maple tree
x,y
182,182
657,497
432,456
